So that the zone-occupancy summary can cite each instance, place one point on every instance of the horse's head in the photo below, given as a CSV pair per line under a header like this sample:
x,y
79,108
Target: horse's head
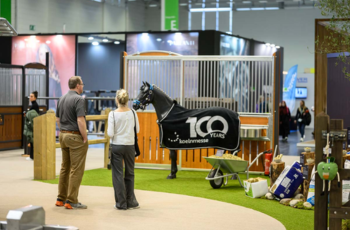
x,y
145,96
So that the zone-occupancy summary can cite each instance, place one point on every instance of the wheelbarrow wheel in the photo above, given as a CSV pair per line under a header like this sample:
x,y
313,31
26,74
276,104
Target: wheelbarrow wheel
x,y
217,183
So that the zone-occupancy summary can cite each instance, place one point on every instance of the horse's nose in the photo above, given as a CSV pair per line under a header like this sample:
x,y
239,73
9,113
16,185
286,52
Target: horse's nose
x,y
136,107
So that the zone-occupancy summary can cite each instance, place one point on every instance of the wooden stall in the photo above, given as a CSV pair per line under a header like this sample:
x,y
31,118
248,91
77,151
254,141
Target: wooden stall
x,y
11,119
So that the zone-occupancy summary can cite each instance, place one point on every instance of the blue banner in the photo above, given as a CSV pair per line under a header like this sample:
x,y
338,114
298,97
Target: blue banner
x,y
289,87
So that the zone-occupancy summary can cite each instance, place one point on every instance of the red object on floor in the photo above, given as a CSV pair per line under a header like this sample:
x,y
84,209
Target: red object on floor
x,y
268,159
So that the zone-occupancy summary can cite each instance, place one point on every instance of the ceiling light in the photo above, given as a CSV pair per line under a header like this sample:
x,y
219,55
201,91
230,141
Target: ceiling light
x,y
263,1
159,39
117,42
131,0
209,9
199,4
177,33
246,2
273,45
48,42
230,2
153,5
105,40
258,8
32,37
58,35
95,43
91,38
243,9
183,4
272,8
267,44
277,47
229,32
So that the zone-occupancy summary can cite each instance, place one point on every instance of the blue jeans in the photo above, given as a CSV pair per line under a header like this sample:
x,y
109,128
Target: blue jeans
x,y
302,129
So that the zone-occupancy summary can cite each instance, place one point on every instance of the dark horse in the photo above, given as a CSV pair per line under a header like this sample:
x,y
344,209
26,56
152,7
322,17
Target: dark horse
x,y
181,128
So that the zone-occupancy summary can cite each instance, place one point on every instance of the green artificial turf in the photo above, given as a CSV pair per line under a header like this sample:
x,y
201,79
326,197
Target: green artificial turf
x,y
193,184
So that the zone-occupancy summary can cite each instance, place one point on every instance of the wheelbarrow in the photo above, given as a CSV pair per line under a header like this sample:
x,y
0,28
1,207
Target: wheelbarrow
x,y
230,167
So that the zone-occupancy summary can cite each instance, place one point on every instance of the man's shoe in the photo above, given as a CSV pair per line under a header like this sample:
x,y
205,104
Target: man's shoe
x,y
25,155
70,205
59,203
301,139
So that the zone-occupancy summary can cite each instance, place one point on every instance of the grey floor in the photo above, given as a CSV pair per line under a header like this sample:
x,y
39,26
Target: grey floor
x,y
289,147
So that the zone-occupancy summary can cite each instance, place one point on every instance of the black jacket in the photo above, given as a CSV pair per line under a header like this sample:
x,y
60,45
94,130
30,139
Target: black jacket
x,y
35,106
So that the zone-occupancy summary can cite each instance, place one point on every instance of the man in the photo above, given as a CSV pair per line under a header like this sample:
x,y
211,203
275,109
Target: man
x,y
73,139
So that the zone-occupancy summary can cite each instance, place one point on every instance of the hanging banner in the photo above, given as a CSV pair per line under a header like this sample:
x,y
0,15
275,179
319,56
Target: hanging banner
x,y
289,87
170,15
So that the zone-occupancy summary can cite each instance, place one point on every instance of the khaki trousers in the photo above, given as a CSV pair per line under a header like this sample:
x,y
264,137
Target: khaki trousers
x,y
73,165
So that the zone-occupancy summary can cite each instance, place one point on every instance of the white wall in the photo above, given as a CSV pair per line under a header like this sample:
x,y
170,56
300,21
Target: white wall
x,y
49,16
310,100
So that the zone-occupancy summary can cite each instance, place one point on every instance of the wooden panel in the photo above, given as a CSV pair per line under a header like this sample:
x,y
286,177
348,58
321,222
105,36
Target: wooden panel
x,y
10,145
10,109
11,128
254,120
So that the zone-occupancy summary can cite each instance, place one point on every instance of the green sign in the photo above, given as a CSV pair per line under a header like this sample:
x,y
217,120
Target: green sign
x,y
5,9
32,27
170,14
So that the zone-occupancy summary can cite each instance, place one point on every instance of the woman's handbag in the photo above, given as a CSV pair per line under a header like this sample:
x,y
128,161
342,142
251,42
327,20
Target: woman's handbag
x,y
137,149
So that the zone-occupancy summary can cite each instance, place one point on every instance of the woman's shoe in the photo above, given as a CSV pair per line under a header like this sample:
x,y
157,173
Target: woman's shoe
x,y
301,139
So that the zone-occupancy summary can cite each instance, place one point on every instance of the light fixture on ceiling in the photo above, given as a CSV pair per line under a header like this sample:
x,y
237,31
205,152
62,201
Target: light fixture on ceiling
x,y
59,36
272,8
159,39
257,8
267,44
105,40
277,47
183,4
228,32
263,1
6,28
153,5
32,37
95,43
209,9
246,2
117,42
91,38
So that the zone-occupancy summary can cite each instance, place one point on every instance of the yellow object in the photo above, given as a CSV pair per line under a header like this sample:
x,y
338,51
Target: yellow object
x,y
227,156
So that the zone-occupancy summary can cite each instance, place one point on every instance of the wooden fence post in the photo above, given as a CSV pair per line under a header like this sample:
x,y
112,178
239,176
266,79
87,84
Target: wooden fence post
x,y
106,152
321,202
335,199
44,146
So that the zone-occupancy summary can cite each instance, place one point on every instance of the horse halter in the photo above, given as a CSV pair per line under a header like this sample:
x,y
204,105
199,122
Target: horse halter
x,y
146,101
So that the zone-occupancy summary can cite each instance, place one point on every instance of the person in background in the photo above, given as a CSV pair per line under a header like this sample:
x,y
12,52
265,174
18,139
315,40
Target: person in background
x,y
70,116
301,119
28,125
284,120
121,123
263,106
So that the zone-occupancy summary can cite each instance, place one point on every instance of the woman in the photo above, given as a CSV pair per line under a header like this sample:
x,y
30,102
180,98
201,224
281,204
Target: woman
x,y
301,119
121,123
28,127
284,120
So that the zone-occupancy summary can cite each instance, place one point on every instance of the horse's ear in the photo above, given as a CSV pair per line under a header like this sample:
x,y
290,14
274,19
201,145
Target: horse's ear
x,y
143,82
148,84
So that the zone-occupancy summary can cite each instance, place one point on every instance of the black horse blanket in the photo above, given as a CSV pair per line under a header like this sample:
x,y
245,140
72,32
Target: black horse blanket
x,y
200,128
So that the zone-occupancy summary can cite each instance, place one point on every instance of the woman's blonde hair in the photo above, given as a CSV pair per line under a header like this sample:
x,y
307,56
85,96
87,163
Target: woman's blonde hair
x,y
122,97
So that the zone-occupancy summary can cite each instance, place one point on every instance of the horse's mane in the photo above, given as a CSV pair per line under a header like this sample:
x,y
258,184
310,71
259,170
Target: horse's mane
x,y
163,92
